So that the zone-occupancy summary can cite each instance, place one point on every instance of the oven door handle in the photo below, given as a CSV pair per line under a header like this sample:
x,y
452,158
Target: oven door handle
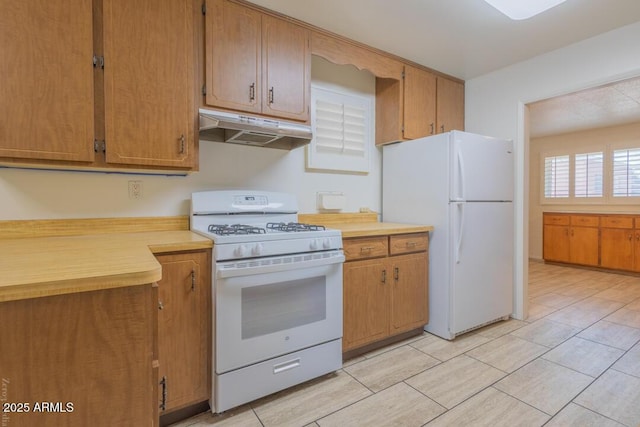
x,y
250,267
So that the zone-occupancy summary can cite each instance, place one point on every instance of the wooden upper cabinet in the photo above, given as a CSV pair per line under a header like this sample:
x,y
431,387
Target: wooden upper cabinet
x,y
233,40
419,103
255,62
286,69
46,80
449,105
148,82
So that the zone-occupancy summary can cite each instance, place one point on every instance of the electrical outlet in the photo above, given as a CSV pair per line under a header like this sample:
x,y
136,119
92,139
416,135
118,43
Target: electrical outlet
x,y
135,189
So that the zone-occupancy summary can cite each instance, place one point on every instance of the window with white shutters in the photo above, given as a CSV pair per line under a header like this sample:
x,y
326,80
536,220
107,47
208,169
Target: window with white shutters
x,y
626,172
342,125
588,174
556,177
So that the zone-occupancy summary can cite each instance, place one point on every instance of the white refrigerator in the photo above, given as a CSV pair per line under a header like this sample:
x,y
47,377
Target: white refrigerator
x,y
462,184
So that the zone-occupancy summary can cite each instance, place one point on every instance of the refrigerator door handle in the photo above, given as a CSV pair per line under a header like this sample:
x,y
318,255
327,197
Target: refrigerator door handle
x,y
461,177
460,231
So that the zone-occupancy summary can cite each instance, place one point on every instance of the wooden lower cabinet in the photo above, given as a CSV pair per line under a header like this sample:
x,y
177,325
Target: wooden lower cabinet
x,y
384,294
90,357
184,329
609,241
571,238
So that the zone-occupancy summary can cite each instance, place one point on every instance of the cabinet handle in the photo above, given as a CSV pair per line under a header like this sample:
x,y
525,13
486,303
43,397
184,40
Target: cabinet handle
x,y
572,232
252,92
160,305
384,276
365,249
396,273
163,402
181,140
411,244
441,128
193,280
630,237
432,129
271,95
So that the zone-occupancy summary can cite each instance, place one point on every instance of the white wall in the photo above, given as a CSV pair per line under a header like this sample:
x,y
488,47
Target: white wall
x,y
594,139
495,105
33,194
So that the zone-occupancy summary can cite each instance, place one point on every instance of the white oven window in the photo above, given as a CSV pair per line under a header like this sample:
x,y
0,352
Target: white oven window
x,y
283,305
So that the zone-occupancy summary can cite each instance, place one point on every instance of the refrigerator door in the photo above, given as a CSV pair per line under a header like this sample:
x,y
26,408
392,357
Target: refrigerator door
x,y
482,168
481,263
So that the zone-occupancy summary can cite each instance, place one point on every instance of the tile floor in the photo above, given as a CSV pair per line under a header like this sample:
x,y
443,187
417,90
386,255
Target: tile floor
x,y
574,362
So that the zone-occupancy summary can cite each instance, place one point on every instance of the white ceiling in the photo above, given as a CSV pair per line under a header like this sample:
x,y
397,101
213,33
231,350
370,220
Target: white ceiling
x,y
469,38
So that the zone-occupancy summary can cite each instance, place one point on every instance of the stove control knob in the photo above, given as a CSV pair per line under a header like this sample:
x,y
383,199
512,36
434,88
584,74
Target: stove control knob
x,y
315,244
257,249
326,243
241,251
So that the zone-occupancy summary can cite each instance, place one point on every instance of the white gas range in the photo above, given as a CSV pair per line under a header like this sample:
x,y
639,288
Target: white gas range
x,y
277,294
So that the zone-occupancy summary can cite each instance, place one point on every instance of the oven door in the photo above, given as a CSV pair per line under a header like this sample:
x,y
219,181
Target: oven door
x,y
272,306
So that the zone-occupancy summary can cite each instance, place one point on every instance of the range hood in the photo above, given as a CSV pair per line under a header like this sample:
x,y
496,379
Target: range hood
x,y
220,126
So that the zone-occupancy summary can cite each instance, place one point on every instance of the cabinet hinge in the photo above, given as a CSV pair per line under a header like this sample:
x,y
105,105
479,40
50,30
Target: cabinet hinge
x,y
193,280
98,61
99,146
204,90
204,8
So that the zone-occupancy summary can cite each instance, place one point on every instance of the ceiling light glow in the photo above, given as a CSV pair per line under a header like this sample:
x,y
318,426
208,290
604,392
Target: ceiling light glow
x,y
523,9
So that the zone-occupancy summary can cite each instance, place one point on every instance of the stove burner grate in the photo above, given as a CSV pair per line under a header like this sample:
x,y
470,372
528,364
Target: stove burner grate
x,y
227,230
293,226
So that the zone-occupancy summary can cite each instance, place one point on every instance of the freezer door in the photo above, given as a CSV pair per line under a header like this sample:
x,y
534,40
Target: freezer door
x,y
482,168
481,263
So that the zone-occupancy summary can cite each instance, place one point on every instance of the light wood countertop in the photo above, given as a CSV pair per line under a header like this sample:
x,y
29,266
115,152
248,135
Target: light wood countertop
x,y
366,229
44,266
362,224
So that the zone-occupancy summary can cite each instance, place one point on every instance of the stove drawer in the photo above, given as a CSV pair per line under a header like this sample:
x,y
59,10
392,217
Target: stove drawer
x,y
365,247
252,382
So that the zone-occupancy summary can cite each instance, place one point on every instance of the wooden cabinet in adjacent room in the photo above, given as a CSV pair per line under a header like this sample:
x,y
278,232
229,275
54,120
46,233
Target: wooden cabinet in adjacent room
x,y
618,243
184,329
385,287
255,62
571,239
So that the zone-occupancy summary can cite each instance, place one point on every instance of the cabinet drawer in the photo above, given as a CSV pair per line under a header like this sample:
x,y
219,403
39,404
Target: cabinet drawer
x,y
585,221
367,247
617,222
556,219
405,243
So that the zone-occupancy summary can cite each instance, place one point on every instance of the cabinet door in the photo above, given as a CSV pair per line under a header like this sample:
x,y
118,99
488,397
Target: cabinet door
x,y
419,103
46,80
583,245
410,295
366,291
450,105
616,248
636,251
233,56
148,81
286,70
556,243
184,335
